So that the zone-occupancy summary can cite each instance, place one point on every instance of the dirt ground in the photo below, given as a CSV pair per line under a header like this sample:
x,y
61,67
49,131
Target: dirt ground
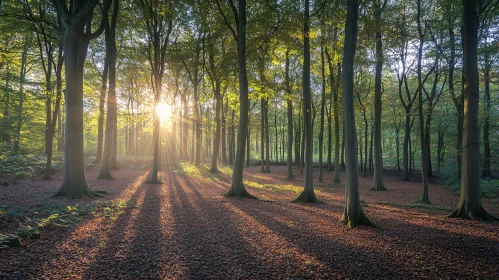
x,y
185,229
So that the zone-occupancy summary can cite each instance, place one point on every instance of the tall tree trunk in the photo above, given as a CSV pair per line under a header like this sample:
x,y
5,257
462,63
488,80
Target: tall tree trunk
x,y
110,28
22,78
6,118
289,100
457,99
267,137
470,203
308,194
336,129
343,144
224,138
248,141
237,187
405,149
262,138
75,47
216,142
323,104
353,214
424,160
102,102
197,116
378,156
486,126
55,114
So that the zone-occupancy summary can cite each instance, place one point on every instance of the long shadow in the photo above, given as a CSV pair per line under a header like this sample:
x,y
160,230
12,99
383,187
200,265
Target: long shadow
x,y
442,254
41,257
208,238
338,259
456,254
134,243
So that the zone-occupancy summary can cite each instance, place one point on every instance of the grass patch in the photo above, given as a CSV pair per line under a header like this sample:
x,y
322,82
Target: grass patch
x,y
428,206
277,188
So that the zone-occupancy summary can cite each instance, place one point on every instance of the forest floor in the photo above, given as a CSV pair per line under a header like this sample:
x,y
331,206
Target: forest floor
x,y
185,229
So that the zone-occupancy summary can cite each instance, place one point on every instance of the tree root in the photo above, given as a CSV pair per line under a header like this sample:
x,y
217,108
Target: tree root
x,y
362,220
239,192
306,197
214,170
481,216
89,192
105,176
378,188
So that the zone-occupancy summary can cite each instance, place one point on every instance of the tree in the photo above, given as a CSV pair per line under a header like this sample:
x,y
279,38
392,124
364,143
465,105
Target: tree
x,y
75,24
157,20
111,130
237,188
289,114
424,161
470,202
378,156
353,214
308,194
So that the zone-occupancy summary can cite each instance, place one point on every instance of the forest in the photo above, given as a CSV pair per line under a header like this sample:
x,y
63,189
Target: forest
x,y
249,139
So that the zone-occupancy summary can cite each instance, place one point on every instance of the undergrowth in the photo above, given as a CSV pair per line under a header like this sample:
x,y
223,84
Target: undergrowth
x,y
32,222
489,187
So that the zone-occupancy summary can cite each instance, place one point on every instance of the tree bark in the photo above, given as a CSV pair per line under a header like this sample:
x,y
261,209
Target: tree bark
x,y
353,214
75,47
289,99
470,203
378,155
110,29
308,194
237,187
424,160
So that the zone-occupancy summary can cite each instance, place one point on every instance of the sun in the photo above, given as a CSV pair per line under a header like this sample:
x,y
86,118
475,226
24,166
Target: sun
x,y
164,112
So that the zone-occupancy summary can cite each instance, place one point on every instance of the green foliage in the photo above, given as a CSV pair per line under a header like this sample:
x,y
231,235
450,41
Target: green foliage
x,y
23,166
57,215
9,240
489,187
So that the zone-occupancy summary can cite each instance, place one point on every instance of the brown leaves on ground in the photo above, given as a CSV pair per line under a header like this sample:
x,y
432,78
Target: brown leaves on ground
x,y
185,228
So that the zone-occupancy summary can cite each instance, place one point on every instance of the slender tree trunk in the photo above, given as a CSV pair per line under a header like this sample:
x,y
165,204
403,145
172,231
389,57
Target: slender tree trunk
x,y
378,156
248,141
22,78
6,118
289,99
55,114
216,142
197,116
405,155
237,187
102,102
486,126
262,139
456,99
111,130
397,147
224,138
267,137
323,103
230,139
343,145
424,160
308,194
